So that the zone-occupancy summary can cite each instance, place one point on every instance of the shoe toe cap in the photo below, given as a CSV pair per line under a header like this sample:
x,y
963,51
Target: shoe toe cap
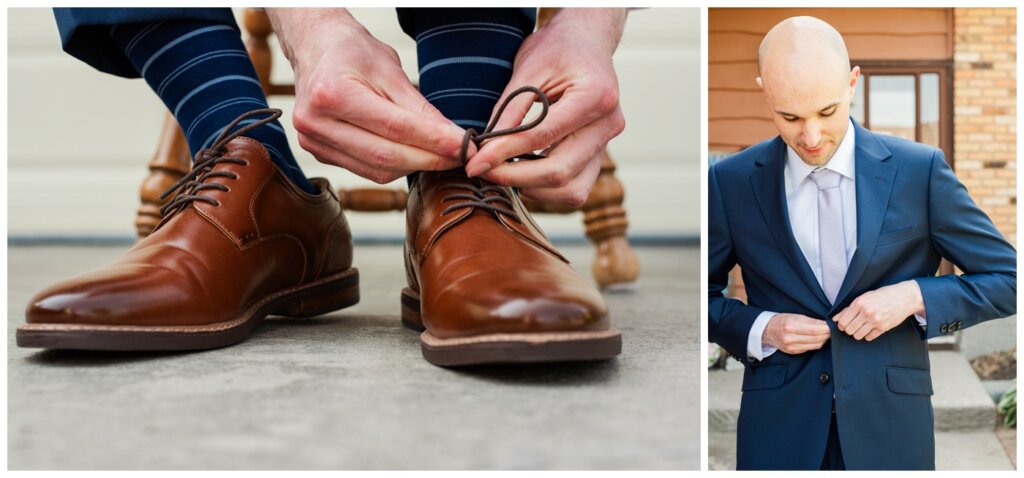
x,y
515,305
113,296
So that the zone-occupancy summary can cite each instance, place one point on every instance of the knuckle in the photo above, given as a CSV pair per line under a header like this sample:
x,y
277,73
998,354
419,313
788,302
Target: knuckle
x,y
618,125
559,176
381,177
382,158
576,198
395,128
323,93
608,99
448,146
304,142
391,52
545,137
302,121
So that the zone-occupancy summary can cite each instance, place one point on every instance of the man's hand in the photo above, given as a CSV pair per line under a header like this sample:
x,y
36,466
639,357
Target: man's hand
x,y
875,312
354,106
570,59
795,333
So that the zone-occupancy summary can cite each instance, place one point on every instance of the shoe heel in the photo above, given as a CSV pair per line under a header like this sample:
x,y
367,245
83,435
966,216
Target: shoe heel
x,y
326,298
411,310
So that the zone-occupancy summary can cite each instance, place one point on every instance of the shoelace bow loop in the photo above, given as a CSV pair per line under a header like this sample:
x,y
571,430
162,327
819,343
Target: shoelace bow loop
x,y
478,197
488,133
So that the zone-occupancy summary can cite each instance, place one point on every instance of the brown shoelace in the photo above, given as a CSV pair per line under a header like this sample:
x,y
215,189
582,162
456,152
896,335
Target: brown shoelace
x,y
192,183
479,138
477,194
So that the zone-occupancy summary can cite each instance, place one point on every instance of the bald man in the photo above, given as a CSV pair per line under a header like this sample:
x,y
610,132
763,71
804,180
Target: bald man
x,y
839,232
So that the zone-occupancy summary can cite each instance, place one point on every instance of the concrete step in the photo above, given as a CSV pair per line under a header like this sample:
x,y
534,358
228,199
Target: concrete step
x,y
964,450
961,402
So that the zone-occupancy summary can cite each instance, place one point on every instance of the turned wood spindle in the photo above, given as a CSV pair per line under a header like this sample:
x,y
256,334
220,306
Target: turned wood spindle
x,y
257,24
615,262
373,199
169,164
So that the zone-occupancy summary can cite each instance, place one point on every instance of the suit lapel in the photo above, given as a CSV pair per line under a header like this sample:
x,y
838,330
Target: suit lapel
x,y
770,192
874,185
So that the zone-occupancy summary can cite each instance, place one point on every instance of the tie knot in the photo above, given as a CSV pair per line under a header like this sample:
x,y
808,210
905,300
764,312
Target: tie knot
x,y
825,178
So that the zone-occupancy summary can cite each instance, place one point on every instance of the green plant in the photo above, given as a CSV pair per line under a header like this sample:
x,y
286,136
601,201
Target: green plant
x,y
714,354
1008,406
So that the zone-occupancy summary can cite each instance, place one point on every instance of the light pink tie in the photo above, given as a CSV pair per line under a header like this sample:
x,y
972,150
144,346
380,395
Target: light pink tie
x,y
831,240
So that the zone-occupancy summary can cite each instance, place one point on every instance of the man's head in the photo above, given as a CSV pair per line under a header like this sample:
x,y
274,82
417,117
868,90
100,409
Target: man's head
x,y
807,81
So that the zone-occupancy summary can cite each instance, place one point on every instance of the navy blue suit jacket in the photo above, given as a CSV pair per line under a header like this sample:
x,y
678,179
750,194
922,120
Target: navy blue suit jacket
x,y
911,212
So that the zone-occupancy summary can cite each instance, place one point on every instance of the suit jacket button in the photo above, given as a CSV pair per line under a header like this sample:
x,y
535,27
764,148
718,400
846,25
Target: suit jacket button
x,y
823,378
944,328
959,324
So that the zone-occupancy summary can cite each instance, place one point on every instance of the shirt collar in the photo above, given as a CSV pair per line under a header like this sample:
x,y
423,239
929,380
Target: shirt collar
x,y
842,161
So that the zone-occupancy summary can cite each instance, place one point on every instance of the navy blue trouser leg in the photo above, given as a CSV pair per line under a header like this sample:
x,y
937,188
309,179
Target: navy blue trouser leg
x,y
833,459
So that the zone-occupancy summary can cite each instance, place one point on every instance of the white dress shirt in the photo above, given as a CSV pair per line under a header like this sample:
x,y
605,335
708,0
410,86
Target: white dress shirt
x,y
802,202
802,205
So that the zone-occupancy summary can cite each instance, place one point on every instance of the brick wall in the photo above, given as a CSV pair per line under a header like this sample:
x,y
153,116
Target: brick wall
x,y
984,104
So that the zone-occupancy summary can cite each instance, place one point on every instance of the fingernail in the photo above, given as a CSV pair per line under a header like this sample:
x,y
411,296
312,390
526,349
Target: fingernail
x,y
478,170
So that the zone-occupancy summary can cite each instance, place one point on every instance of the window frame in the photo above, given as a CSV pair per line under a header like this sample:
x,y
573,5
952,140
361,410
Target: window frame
x,y
915,68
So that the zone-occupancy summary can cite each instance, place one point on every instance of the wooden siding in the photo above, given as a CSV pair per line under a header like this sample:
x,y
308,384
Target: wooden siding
x,y
737,114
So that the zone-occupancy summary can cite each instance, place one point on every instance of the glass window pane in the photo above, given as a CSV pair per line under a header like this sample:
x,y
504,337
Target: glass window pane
x,y
930,109
857,105
893,108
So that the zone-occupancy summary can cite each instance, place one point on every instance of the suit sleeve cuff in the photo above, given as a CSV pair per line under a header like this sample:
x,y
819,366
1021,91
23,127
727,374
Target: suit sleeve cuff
x,y
755,347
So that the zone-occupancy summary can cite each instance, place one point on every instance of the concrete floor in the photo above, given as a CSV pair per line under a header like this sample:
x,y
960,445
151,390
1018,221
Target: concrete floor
x,y
351,391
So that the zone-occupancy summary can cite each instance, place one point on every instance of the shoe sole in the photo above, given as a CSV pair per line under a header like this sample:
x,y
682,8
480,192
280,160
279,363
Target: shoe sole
x,y
320,297
509,348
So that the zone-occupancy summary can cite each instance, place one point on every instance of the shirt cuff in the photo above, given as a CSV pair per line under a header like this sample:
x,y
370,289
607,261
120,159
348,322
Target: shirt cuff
x,y
922,321
755,347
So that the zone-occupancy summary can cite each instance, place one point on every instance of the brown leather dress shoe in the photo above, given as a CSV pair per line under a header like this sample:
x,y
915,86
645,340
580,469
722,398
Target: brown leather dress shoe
x,y
487,286
238,242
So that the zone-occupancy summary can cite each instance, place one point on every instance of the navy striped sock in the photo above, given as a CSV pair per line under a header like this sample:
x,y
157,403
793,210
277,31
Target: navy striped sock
x,y
465,57
203,74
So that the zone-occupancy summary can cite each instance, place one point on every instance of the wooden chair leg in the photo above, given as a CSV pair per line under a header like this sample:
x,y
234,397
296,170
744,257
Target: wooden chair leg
x,y
259,29
170,162
373,199
615,262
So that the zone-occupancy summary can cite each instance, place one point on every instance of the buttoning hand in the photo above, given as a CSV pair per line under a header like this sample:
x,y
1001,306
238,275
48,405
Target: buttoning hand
x,y
354,106
795,333
570,59
876,312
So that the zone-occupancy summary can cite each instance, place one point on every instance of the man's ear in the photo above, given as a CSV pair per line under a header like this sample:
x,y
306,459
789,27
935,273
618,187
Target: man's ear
x,y
760,84
854,75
